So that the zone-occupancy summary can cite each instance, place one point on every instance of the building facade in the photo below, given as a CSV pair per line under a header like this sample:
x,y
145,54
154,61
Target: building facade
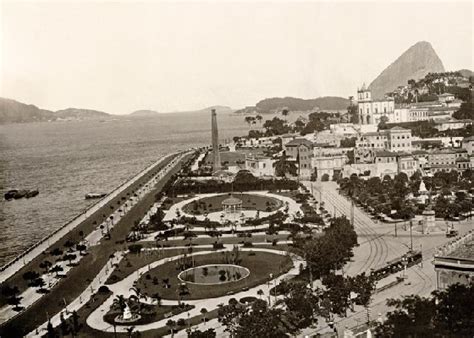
x,y
371,111
300,150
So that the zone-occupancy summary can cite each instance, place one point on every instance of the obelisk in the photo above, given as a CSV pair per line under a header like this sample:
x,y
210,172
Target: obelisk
x,y
215,142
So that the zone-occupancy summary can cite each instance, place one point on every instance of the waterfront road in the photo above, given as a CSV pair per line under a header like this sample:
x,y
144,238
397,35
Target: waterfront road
x,y
68,288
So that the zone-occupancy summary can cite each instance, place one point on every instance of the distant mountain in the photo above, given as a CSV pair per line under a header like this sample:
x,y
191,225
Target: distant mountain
x,y
80,114
144,112
466,72
419,60
219,110
277,104
151,113
12,111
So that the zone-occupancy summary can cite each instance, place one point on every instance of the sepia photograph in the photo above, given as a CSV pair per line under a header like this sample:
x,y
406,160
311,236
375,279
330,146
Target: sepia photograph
x,y
236,168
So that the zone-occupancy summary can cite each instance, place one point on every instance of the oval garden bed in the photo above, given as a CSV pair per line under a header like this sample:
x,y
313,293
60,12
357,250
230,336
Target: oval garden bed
x,y
207,205
259,264
214,274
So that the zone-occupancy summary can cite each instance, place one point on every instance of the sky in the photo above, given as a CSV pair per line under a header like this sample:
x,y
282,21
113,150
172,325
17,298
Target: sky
x,y
119,57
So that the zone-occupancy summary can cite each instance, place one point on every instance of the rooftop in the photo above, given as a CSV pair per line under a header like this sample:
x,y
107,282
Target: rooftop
x,y
465,250
232,201
385,153
300,141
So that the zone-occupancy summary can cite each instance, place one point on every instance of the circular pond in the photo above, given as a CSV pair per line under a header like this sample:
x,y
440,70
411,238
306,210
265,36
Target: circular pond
x,y
213,274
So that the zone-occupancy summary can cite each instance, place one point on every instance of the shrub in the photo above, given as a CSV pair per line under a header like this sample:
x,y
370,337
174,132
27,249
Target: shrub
x,y
218,246
135,248
103,289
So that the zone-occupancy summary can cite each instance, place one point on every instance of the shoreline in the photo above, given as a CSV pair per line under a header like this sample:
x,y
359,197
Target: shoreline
x,y
30,254
158,173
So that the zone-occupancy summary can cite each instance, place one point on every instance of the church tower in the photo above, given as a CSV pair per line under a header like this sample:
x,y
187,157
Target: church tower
x,y
364,102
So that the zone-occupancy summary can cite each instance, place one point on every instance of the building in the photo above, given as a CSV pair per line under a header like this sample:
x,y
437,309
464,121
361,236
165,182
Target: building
x,y
371,111
451,124
407,164
446,98
328,161
468,144
395,139
445,159
261,142
454,262
440,113
384,156
301,151
345,130
463,163
260,166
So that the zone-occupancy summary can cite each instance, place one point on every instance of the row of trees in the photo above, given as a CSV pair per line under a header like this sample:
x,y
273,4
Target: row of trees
x,y
244,181
383,196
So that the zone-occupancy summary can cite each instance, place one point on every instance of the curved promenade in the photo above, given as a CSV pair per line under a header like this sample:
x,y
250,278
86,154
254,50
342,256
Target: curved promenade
x,y
18,262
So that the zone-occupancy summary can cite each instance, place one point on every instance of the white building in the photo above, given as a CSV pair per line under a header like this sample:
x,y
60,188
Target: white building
x,y
371,111
260,166
329,161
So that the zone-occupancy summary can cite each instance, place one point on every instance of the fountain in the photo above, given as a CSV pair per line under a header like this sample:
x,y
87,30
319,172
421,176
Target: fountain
x,y
127,316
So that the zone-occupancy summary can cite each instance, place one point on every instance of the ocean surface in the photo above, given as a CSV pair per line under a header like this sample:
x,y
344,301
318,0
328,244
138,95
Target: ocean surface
x,y
66,160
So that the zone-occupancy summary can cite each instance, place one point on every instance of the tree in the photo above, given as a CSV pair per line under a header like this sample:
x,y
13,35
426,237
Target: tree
x,y
45,265
69,257
261,321
249,120
30,275
57,269
447,313
209,333
81,248
120,301
171,324
303,304
284,167
203,313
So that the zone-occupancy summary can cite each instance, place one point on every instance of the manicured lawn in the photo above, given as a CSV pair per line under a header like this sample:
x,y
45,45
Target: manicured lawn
x,y
260,264
249,202
132,262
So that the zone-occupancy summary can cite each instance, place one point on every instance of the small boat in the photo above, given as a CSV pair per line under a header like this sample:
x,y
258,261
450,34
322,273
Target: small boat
x,y
95,195
17,194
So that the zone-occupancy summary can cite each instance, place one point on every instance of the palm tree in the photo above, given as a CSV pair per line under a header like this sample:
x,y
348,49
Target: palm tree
x,y
121,302
45,265
57,269
171,324
130,331
204,312
137,292
283,167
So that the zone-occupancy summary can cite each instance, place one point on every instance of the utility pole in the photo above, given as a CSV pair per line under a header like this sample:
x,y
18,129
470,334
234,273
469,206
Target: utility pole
x,y
411,236
352,213
395,224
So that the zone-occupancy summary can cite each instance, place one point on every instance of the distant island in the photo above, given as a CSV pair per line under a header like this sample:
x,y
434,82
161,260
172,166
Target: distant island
x,y
12,111
277,104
